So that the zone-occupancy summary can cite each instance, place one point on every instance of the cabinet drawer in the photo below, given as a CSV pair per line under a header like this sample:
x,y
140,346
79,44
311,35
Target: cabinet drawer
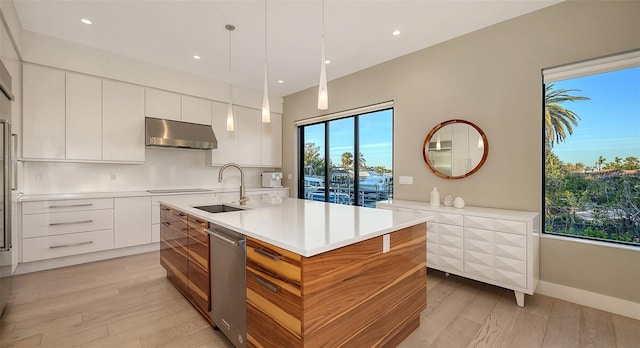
x,y
282,262
509,226
199,285
42,248
39,225
199,252
66,205
278,299
449,219
196,230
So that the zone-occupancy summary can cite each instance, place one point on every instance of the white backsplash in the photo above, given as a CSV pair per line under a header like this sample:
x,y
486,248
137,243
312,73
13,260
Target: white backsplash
x,y
164,168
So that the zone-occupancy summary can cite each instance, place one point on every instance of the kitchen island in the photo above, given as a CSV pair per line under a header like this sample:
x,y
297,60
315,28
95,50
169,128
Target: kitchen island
x,y
317,274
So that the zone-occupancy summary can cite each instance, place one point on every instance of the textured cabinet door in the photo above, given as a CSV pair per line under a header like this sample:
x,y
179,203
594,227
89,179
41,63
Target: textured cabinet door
x,y
84,117
132,216
249,137
227,150
196,110
122,122
272,142
162,104
173,247
43,116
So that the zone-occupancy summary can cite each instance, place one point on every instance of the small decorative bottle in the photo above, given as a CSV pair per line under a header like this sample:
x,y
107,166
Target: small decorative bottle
x,y
435,197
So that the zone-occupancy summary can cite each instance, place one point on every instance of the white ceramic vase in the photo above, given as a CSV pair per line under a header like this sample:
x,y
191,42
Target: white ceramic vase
x,y
458,202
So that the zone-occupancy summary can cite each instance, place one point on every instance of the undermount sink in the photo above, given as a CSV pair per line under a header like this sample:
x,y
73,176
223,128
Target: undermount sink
x,y
218,208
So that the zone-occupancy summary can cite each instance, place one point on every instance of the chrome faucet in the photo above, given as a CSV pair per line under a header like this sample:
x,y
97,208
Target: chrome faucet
x,y
243,199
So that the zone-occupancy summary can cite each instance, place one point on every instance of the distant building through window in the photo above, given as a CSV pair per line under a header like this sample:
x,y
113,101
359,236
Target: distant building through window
x,y
591,149
347,158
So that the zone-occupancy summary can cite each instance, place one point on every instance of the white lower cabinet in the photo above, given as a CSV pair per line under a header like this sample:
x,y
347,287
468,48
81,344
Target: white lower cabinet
x,y
59,228
496,246
132,216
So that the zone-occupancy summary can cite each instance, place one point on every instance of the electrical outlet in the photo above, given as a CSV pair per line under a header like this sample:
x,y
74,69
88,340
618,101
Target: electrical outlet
x,y
386,243
405,180
113,176
39,176
289,176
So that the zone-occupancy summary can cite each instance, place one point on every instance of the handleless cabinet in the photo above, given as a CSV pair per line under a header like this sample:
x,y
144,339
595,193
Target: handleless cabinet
x,y
122,122
196,110
43,115
84,117
162,104
495,246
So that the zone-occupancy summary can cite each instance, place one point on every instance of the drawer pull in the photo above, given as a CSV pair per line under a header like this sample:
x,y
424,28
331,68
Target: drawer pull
x,y
71,205
70,245
182,215
166,209
267,284
267,254
199,223
166,223
70,223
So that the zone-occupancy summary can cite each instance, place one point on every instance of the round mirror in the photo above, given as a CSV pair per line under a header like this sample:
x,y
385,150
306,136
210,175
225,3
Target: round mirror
x,y
455,149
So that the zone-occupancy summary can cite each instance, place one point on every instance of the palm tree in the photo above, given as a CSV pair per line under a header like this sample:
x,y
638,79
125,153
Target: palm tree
x,y
362,162
347,160
600,162
558,121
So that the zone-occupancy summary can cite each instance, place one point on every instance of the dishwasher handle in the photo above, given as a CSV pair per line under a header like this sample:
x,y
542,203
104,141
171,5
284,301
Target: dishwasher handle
x,y
235,243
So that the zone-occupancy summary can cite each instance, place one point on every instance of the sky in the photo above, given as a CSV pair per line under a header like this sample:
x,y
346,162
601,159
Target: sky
x,y
609,124
376,137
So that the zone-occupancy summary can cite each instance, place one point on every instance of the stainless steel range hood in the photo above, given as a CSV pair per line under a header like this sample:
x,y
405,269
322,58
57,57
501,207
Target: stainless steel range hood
x,y
168,133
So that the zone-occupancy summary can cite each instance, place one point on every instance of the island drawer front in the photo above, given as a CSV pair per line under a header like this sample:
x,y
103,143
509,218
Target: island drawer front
x,y
176,222
276,298
509,226
199,252
39,225
274,259
199,285
262,331
197,229
173,258
37,207
42,248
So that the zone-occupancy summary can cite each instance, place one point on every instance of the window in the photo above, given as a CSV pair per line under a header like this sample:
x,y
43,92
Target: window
x,y
592,149
347,158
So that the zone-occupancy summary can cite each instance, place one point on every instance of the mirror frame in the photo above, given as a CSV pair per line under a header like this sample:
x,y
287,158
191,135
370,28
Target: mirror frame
x,y
440,126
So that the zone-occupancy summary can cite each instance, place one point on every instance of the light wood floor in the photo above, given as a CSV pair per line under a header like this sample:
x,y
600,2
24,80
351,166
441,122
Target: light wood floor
x,y
128,302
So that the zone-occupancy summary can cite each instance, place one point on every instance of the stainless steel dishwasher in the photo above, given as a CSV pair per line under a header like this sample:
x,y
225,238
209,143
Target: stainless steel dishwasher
x,y
228,283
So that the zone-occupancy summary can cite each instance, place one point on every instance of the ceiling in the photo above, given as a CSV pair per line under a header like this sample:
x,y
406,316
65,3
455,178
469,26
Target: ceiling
x,y
357,32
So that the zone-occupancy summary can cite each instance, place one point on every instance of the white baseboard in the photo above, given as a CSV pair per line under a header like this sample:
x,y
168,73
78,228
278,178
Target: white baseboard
x,y
590,299
35,266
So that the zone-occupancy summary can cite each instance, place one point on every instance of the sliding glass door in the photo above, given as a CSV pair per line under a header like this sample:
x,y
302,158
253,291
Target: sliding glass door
x,y
347,160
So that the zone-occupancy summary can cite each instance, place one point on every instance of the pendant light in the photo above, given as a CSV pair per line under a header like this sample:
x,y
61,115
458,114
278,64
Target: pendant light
x,y
266,112
323,96
230,127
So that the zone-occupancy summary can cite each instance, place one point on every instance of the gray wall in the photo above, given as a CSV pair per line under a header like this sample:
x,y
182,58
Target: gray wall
x,y
492,78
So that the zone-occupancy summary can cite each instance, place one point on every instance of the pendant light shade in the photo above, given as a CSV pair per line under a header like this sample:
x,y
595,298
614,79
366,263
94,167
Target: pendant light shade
x,y
323,93
266,112
230,126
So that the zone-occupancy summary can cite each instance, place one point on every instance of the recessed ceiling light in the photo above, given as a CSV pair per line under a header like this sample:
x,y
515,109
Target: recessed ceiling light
x,y
395,33
280,81
196,57
85,21
327,61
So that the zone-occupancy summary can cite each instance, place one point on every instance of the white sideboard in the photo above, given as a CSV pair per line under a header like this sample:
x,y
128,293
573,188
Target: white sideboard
x,y
495,246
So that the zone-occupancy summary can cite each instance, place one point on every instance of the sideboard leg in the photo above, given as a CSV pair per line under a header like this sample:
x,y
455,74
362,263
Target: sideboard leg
x,y
519,298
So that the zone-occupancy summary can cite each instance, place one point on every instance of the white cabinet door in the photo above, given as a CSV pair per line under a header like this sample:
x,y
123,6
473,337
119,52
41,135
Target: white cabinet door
x,y
249,137
132,216
84,117
227,150
272,142
122,121
162,104
43,118
196,110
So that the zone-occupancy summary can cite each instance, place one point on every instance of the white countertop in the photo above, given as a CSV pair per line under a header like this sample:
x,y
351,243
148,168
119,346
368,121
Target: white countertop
x,y
301,226
134,193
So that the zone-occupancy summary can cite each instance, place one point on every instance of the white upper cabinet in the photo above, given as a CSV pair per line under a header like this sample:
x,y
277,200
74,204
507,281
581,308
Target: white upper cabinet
x,y
196,110
252,143
162,104
122,121
84,117
249,136
272,142
227,150
43,119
